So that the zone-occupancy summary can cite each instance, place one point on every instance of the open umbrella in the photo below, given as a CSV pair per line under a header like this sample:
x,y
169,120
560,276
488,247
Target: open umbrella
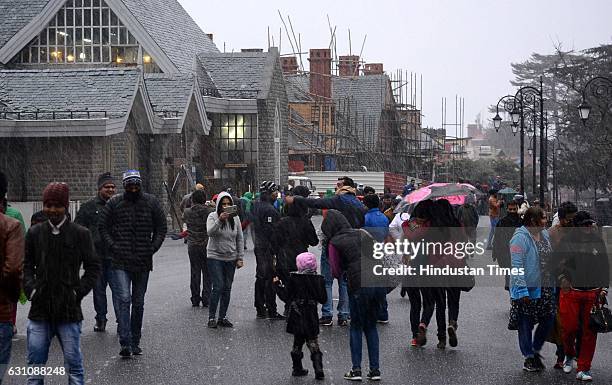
x,y
455,193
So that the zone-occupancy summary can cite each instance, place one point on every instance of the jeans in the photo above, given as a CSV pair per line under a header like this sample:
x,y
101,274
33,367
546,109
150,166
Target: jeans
x,y
365,304
6,341
40,334
414,295
265,296
434,298
343,301
222,277
383,312
494,221
453,296
129,290
530,342
199,274
99,292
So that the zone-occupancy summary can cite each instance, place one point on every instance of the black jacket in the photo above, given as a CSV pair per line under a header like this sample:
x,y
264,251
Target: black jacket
x,y
265,218
294,234
582,258
353,210
302,293
53,283
195,217
88,216
501,241
133,231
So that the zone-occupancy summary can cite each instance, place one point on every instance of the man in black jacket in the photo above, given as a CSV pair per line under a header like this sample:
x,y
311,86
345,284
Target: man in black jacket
x,y
265,218
503,233
88,216
55,252
133,226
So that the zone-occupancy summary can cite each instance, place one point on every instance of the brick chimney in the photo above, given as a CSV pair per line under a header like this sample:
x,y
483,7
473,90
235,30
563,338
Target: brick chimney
x,y
210,36
289,64
373,69
348,65
320,72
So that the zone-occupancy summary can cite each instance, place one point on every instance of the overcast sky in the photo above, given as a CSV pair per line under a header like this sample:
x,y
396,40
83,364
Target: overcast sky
x,y
460,47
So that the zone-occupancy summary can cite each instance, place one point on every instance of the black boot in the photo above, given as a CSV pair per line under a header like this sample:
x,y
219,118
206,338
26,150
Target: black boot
x,y
317,364
298,369
100,326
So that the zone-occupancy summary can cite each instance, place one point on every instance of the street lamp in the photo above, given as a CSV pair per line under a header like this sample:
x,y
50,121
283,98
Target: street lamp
x,y
530,150
515,115
497,122
514,129
584,110
510,106
600,87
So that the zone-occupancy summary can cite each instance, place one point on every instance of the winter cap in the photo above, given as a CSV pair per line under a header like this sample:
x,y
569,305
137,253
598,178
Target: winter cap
x,y
583,218
306,262
268,187
105,178
57,192
131,177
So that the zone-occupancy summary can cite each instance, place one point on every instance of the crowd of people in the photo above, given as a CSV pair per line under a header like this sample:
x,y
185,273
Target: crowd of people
x,y
114,236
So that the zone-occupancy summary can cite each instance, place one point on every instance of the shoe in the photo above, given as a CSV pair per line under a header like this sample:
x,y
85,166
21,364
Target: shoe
x,y
100,326
317,364
326,321
413,343
261,314
125,351
224,323
452,334
584,376
353,375
530,365
441,343
212,323
298,369
538,359
343,322
568,365
422,335
275,316
136,350
383,321
374,375
195,304
204,303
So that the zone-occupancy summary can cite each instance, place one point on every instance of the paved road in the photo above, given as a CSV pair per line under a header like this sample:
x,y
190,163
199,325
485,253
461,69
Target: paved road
x,y
179,349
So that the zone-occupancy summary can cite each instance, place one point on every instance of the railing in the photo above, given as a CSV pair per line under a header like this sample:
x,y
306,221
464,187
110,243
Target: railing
x,y
39,114
242,93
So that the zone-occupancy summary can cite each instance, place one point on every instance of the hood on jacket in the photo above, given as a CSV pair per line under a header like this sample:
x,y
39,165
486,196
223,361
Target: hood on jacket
x,y
334,223
220,197
247,195
524,231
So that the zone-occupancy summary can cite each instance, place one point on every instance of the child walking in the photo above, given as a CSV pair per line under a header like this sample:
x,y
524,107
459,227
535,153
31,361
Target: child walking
x,y
304,290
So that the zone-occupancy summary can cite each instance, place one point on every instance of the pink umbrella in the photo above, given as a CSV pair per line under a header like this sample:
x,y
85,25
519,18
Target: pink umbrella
x,y
455,193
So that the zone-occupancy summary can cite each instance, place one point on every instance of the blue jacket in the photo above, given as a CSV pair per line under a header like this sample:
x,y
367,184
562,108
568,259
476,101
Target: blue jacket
x,y
524,254
377,224
348,204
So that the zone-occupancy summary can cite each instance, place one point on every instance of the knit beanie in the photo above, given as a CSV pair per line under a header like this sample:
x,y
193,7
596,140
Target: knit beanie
x,y
306,262
104,179
57,192
131,177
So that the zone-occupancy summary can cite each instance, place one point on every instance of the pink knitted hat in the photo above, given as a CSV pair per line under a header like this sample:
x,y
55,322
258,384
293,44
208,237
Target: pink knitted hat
x,y
306,261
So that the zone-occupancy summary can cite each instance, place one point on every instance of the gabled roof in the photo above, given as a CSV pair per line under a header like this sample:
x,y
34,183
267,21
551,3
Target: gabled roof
x,y
236,75
16,14
172,29
170,92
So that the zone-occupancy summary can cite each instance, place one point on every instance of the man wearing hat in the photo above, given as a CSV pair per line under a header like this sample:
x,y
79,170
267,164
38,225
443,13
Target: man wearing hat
x,y
11,266
54,253
133,227
88,216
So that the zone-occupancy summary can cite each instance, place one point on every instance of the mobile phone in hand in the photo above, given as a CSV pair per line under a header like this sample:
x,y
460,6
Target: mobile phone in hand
x,y
231,210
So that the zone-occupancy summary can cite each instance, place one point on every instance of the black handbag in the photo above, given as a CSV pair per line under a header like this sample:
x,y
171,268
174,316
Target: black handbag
x,y
600,320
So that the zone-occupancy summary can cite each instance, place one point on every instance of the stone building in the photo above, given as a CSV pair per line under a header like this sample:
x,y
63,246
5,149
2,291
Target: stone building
x,y
93,85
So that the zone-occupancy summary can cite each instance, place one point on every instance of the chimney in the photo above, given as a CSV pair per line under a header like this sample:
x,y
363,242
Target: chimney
x,y
373,69
348,65
210,36
320,72
289,64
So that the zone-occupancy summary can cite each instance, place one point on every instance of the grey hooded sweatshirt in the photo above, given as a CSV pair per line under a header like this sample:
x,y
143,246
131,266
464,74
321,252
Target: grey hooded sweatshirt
x,y
224,244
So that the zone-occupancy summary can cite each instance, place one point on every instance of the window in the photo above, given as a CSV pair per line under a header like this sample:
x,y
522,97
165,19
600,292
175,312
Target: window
x,y
235,138
85,31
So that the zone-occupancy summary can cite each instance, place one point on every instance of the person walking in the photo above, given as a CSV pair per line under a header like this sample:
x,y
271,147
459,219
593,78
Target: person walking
x,y
11,269
531,296
495,205
133,226
225,253
303,290
197,240
88,216
468,217
503,233
246,203
365,301
584,278
55,251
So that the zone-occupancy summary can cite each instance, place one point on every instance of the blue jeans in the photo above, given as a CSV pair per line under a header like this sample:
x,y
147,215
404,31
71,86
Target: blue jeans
x,y
343,300
99,292
383,313
222,276
529,342
6,341
129,290
494,221
40,334
365,304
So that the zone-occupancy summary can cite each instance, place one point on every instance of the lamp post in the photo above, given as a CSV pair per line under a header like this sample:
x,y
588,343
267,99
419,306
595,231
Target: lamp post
x,y
600,87
556,152
532,151
509,105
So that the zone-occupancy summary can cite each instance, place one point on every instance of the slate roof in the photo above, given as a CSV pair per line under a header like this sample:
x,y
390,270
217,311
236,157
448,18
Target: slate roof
x,y
170,92
176,33
297,88
16,14
234,75
110,90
